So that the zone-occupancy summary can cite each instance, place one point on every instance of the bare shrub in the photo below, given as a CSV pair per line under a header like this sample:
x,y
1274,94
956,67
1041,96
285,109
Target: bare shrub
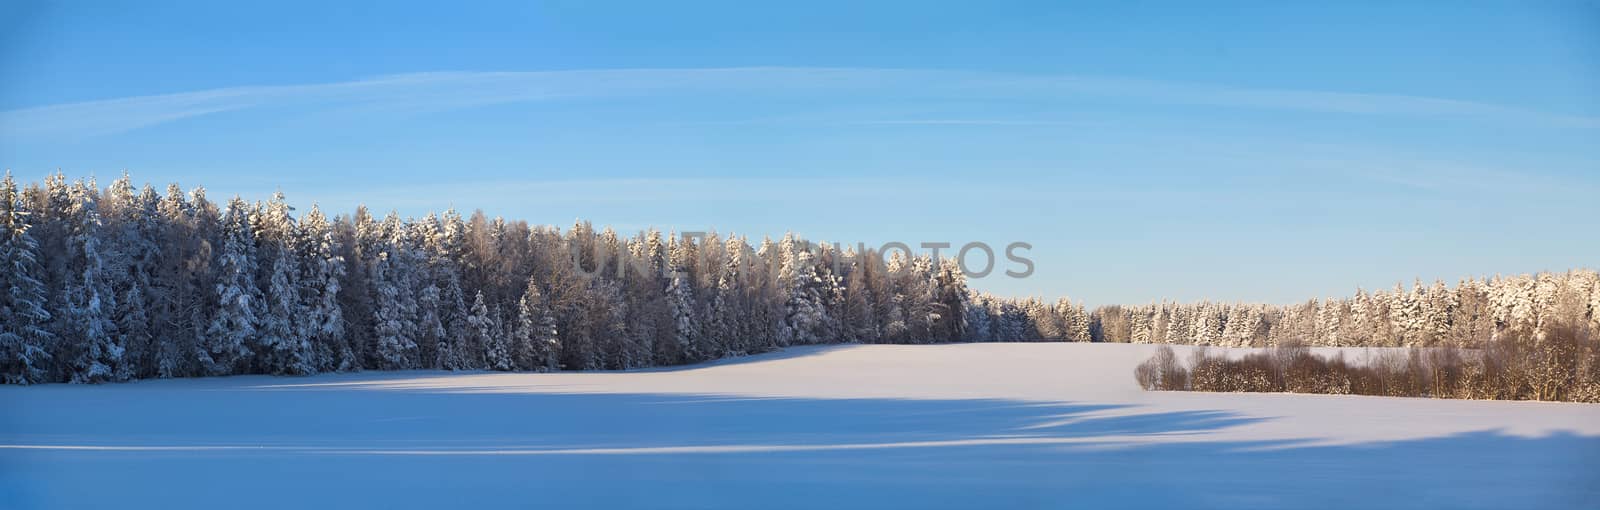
x,y
1561,362
1162,372
1553,362
1337,379
1586,387
1148,373
1307,373
1445,367
1253,373
1206,373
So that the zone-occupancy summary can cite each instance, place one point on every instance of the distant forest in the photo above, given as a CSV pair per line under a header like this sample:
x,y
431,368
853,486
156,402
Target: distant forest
x,y
130,282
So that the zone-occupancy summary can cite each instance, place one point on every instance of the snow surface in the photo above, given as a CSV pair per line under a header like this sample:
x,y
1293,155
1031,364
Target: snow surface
x,y
1047,425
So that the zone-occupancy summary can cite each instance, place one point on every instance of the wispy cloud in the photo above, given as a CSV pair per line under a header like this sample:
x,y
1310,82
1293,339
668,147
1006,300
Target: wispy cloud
x,y
642,202
627,191
444,91
831,120
970,122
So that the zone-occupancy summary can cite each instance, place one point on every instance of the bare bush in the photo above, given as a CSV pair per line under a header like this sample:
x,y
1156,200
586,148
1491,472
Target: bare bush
x,y
1561,362
1162,372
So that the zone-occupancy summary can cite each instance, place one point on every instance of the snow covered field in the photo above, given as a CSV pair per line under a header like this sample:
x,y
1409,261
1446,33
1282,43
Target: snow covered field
x,y
1050,425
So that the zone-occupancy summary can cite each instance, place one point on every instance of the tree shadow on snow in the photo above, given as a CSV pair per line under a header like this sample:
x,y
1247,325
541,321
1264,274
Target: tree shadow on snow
x,y
786,353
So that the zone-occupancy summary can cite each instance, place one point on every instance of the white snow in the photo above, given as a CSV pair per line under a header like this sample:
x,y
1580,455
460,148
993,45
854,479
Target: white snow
x,y
1045,425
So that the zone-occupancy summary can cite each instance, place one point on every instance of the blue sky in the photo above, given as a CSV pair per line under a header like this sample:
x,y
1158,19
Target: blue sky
x,y
1254,151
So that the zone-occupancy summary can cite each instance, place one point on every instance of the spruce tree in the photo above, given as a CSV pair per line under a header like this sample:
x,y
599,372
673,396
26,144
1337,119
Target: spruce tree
x,y
92,343
483,332
23,337
234,326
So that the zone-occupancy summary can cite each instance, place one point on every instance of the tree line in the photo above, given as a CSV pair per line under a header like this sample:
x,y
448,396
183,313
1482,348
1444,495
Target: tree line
x,y
127,282
1471,314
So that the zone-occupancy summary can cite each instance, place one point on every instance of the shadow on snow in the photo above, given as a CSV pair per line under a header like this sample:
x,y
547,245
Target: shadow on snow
x,y
354,447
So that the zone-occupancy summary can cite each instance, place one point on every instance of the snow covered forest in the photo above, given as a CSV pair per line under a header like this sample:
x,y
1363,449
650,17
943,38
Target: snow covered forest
x,y
129,282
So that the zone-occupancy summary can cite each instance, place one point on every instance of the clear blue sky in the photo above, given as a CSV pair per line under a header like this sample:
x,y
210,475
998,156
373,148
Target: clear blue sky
x,y
1255,151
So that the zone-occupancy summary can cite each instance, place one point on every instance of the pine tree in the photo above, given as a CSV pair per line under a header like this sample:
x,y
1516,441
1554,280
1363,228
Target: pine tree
x,y
524,354
90,334
133,324
233,328
456,350
731,299
321,269
979,318
803,309
130,254
359,240
546,338
534,342
858,313
483,332
393,319
680,305
1438,307
894,324
433,347
1142,326
287,348
951,296
23,318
